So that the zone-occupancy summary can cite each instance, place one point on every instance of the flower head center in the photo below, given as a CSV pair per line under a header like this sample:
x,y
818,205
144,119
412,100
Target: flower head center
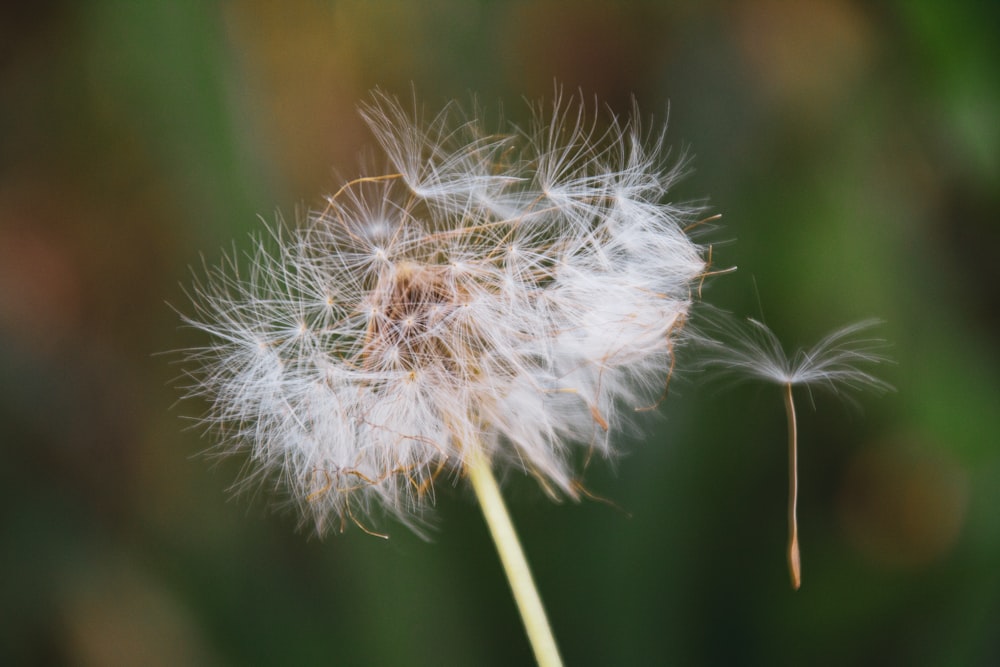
x,y
409,326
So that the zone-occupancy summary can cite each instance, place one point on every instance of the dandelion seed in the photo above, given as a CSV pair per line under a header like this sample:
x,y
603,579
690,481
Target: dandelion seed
x,y
490,300
835,363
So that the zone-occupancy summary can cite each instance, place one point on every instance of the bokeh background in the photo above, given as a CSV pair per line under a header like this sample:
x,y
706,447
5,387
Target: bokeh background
x,y
854,151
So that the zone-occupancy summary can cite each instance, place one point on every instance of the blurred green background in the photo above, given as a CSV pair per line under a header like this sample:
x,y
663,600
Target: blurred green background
x,y
854,151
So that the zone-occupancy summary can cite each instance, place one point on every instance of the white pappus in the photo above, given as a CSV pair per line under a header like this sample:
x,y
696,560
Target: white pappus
x,y
836,363
507,294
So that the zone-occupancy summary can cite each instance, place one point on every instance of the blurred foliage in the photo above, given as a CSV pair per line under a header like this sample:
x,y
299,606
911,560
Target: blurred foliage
x,y
854,150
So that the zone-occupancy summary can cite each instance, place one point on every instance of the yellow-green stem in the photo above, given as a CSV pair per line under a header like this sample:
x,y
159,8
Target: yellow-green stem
x,y
514,563
794,560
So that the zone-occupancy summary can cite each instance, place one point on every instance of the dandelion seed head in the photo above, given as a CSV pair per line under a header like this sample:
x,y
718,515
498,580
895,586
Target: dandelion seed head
x,y
516,293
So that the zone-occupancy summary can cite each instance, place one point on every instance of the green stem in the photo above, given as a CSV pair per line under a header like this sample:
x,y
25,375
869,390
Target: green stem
x,y
514,563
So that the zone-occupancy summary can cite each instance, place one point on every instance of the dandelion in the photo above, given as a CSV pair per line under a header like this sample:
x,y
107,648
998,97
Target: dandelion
x,y
836,363
488,301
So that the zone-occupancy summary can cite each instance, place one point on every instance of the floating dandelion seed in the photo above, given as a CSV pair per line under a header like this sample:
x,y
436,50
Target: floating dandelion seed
x,y
488,301
835,363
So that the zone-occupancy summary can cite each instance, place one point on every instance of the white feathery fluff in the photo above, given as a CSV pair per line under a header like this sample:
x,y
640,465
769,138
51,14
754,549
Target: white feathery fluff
x,y
836,363
516,292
